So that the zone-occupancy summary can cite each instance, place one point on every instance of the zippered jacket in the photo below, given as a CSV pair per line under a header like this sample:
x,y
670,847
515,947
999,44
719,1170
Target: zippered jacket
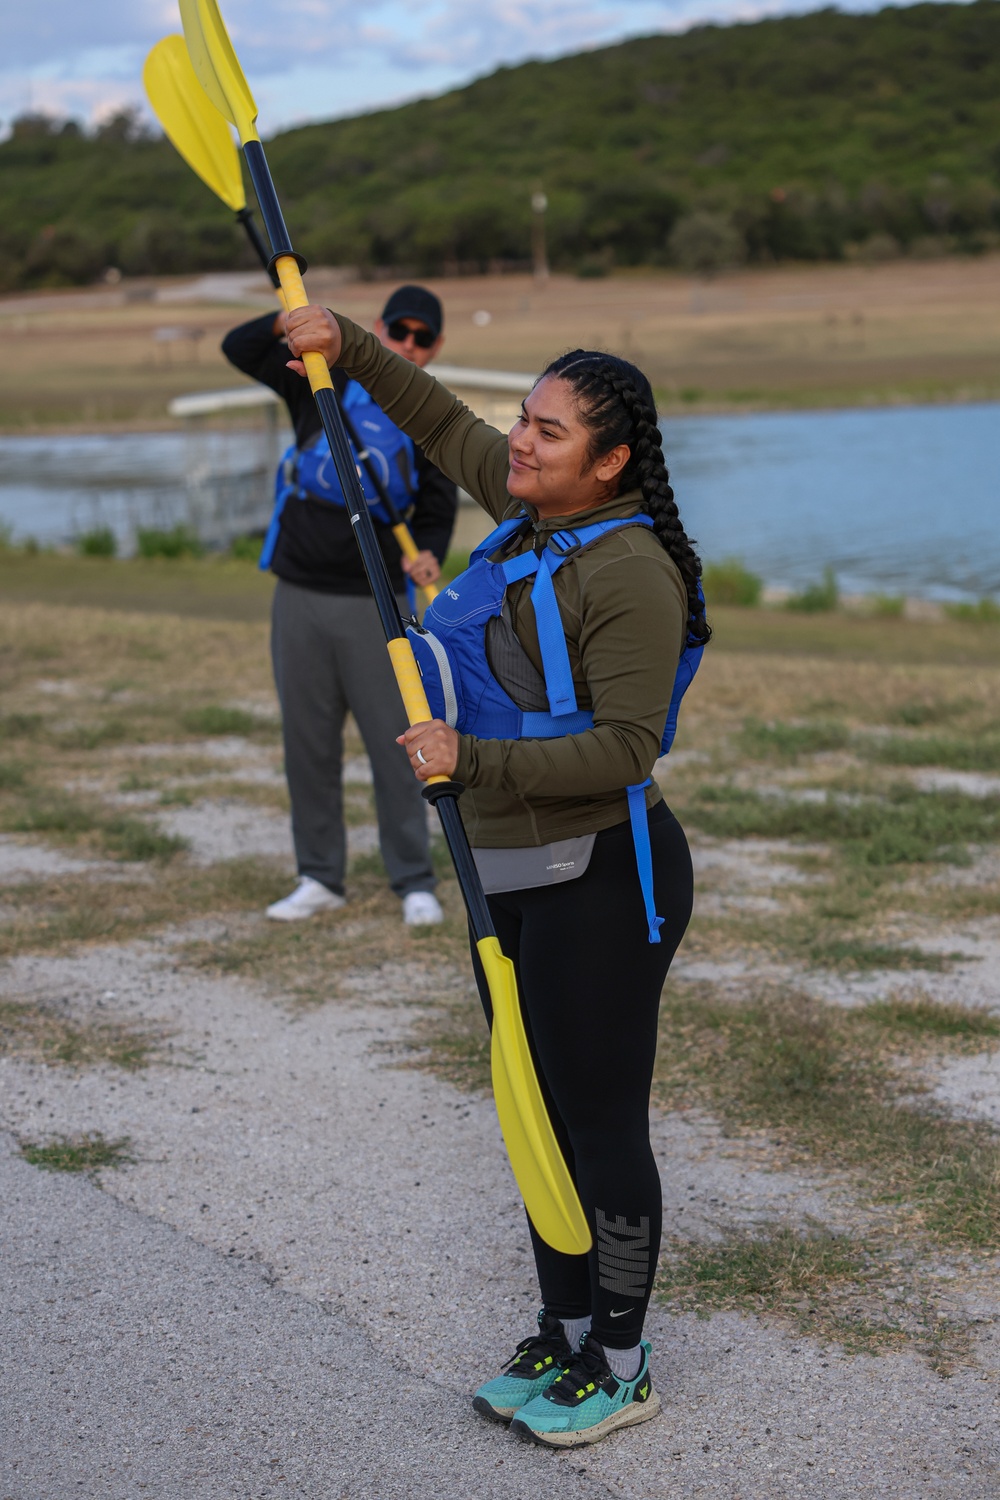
x,y
624,609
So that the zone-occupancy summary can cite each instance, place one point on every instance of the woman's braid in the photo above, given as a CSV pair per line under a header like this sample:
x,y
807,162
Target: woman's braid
x,y
616,403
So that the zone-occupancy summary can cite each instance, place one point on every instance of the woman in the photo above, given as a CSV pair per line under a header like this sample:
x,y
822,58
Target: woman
x,y
549,821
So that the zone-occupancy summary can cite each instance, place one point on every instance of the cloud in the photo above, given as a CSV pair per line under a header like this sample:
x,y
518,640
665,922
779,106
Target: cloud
x,y
320,58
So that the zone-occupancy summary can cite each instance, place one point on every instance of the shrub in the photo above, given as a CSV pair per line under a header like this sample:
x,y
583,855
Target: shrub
x,y
983,612
100,541
706,242
817,596
889,606
729,582
179,541
246,548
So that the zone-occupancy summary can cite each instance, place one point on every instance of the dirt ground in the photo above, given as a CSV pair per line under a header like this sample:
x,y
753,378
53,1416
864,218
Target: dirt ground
x,y
308,1106
785,336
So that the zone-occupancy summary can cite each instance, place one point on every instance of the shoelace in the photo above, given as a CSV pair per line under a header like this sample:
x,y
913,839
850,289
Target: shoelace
x,y
586,1368
538,1347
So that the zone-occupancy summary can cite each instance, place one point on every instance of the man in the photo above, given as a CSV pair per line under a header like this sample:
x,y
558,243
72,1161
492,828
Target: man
x,y
327,645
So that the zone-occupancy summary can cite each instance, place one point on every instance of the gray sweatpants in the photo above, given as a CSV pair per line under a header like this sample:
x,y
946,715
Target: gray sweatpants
x,y
329,656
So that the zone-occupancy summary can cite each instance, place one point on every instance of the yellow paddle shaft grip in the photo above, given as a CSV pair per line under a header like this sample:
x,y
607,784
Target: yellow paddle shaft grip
x,y
408,547
294,293
411,688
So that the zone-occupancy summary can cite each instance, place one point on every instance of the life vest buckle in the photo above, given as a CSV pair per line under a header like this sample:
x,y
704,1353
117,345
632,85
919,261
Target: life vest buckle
x,y
564,543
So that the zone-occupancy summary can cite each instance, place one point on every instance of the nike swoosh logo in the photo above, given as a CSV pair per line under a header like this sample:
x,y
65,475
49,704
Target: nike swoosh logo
x,y
622,1313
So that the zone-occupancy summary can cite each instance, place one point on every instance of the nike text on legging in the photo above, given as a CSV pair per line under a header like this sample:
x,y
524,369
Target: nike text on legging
x,y
590,984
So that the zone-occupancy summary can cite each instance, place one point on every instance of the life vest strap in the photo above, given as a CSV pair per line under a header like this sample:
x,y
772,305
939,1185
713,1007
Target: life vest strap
x,y
639,819
548,727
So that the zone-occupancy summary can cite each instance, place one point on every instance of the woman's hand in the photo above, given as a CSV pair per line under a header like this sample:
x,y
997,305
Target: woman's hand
x,y
432,748
424,568
309,329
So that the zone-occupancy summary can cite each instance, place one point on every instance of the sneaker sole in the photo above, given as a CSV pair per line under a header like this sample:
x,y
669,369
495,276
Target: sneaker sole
x,y
629,1416
303,916
501,1414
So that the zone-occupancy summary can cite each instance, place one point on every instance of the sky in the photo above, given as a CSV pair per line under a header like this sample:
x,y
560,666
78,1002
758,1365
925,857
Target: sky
x,y
320,59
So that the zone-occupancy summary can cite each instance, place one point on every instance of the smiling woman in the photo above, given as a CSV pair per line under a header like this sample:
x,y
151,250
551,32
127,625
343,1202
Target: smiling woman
x,y
555,665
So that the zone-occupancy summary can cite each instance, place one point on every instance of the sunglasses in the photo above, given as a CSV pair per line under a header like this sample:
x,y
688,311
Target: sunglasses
x,y
399,333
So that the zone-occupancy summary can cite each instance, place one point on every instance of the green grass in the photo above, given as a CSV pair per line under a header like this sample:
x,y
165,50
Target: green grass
x,y
902,827
856,954
55,915
214,719
96,736
13,775
787,742
831,1287
772,1267
824,1081
69,819
933,1019
976,753
20,726
84,1153
918,712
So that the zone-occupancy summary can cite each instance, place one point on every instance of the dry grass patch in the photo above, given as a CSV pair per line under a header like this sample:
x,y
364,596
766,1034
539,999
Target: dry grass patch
x,y
831,1288
57,914
452,1040
319,960
37,1032
831,1086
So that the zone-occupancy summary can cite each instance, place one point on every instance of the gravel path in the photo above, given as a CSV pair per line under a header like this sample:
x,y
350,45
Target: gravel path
x,y
318,1253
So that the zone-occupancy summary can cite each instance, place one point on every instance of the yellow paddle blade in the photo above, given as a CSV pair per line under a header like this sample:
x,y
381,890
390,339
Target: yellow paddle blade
x,y
191,121
217,66
548,1191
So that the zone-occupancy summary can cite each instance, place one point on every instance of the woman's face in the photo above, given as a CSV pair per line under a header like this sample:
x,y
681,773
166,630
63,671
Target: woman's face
x,y
548,448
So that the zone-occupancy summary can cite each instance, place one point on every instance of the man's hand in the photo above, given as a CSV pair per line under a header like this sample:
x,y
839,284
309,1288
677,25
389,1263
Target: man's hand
x,y
309,329
432,748
424,568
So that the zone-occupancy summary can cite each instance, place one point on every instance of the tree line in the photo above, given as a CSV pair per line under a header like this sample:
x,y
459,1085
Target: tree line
x,y
813,137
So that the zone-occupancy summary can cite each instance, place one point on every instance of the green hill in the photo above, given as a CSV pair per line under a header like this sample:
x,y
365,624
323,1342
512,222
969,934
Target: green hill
x,y
809,137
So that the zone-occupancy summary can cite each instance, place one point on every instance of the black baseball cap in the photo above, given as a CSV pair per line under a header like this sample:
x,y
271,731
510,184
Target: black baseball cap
x,y
415,302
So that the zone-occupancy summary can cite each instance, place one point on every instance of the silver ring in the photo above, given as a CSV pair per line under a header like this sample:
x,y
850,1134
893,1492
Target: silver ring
x,y
420,757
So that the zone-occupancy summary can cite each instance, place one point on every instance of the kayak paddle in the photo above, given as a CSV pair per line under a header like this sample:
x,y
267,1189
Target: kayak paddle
x,y
201,136
542,1176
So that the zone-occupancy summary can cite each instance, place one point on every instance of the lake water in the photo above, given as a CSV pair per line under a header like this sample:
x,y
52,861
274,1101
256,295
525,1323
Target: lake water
x,y
895,500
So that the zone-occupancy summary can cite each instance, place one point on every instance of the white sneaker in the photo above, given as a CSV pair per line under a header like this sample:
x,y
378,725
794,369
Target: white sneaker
x,y
421,909
308,898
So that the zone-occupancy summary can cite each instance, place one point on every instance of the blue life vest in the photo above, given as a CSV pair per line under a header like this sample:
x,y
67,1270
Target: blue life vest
x,y
451,652
309,472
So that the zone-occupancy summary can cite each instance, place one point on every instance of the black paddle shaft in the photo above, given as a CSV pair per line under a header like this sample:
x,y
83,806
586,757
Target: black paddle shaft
x,y
442,794
246,218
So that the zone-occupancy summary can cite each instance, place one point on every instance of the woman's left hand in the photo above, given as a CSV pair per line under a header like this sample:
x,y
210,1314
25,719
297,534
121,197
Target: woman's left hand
x,y
311,329
432,748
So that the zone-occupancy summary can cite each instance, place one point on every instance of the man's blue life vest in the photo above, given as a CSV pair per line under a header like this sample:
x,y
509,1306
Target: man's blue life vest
x,y
310,472
453,652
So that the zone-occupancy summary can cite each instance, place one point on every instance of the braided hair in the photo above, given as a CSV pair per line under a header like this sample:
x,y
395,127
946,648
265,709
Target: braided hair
x,y
615,403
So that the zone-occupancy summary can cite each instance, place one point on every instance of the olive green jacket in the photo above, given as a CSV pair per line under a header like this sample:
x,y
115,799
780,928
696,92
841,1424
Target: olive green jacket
x,y
623,605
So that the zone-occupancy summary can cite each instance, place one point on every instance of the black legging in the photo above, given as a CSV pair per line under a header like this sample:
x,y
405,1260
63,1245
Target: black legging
x,y
590,984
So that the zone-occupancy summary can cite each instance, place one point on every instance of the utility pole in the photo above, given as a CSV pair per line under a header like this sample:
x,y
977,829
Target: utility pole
x,y
539,203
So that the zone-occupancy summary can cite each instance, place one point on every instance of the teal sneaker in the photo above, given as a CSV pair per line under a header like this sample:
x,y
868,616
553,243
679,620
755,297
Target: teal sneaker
x,y
536,1363
586,1402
